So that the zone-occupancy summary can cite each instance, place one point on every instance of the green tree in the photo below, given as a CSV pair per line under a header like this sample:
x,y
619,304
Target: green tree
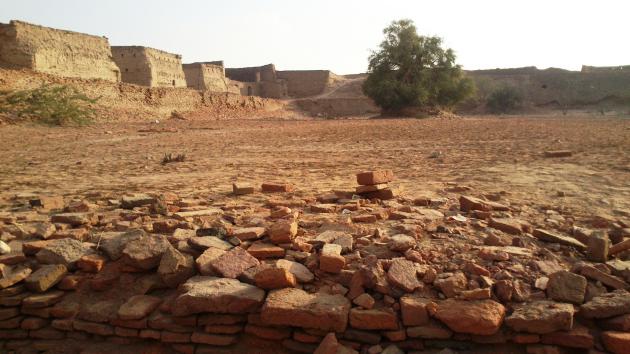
x,y
504,100
410,70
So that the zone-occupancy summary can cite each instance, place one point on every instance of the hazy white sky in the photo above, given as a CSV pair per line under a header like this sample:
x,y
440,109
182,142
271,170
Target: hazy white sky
x,y
338,34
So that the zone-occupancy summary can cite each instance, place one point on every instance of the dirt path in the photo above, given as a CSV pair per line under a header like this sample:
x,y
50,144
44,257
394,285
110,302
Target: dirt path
x,y
485,153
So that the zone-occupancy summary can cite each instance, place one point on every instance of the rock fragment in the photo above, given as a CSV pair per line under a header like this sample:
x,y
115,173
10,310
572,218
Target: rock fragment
x,y
295,307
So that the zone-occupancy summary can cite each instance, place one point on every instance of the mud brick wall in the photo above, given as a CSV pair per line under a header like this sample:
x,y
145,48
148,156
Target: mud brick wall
x,y
58,52
304,83
206,77
557,87
149,67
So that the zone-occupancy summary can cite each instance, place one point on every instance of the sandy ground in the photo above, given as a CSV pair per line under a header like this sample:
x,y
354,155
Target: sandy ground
x,y
483,153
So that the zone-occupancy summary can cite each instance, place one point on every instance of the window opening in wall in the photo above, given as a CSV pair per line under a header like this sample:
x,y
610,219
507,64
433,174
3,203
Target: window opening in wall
x,y
173,82
249,90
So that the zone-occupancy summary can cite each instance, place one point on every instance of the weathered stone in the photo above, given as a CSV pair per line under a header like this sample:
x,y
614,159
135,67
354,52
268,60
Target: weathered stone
x,y
481,317
130,202
43,230
401,243
91,263
45,277
328,345
42,300
364,300
620,247
331,259
94,328
558,153
555,238
175,267
277,187
607,305
468,203
274,278
210,294
370,178
617,342
212,339
295,307
346,242
138,307
113,243
403,274
249,233
234,262
283,231
323,208
577,337
13,275
301,273
541,317
507,225
183,215
239,188
374,319
618,323
48,202
606,279
598,246
431,330
74,219
565,286
262,250
64,251
204,262
145,252
414,310
452,285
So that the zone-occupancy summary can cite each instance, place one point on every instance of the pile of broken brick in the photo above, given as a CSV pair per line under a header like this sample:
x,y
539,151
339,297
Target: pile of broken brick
x,y
280,271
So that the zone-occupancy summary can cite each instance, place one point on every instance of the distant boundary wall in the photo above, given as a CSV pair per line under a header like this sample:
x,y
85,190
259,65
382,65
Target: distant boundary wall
x,y
559,87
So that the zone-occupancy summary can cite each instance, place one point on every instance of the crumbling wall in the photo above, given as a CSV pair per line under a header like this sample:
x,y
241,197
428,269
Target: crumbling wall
x,y
58,52
304,83
259,81
556,86
122,101
149,67
206,77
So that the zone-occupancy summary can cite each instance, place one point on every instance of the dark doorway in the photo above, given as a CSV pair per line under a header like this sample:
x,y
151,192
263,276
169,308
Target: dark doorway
x,y
249,90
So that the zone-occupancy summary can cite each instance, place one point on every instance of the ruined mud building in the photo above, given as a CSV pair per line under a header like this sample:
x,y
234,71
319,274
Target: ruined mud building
x,y
57,52
149,67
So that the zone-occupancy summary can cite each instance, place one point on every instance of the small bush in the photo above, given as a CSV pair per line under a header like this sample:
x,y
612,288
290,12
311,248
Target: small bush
x,y
504,100
168,158
49,104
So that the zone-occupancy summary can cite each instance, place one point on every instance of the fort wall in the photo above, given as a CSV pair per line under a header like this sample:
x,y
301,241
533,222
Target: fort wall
x,y
304,83
206,77
58,52
149,67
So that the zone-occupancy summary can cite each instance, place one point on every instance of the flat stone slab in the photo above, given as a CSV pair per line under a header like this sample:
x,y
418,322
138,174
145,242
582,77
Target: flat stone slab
x,y
63,251
541,317
607,305
295,307
218,295
482,317
555,238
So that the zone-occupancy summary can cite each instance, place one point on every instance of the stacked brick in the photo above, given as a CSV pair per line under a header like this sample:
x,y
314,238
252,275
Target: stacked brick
x,y
375,184
290,275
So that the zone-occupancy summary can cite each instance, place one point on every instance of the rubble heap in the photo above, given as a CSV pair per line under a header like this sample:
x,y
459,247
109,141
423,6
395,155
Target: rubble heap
x,y
281,271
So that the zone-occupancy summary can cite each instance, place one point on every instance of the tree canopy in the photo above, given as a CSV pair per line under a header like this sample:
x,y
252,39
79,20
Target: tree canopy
x,y
410,70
